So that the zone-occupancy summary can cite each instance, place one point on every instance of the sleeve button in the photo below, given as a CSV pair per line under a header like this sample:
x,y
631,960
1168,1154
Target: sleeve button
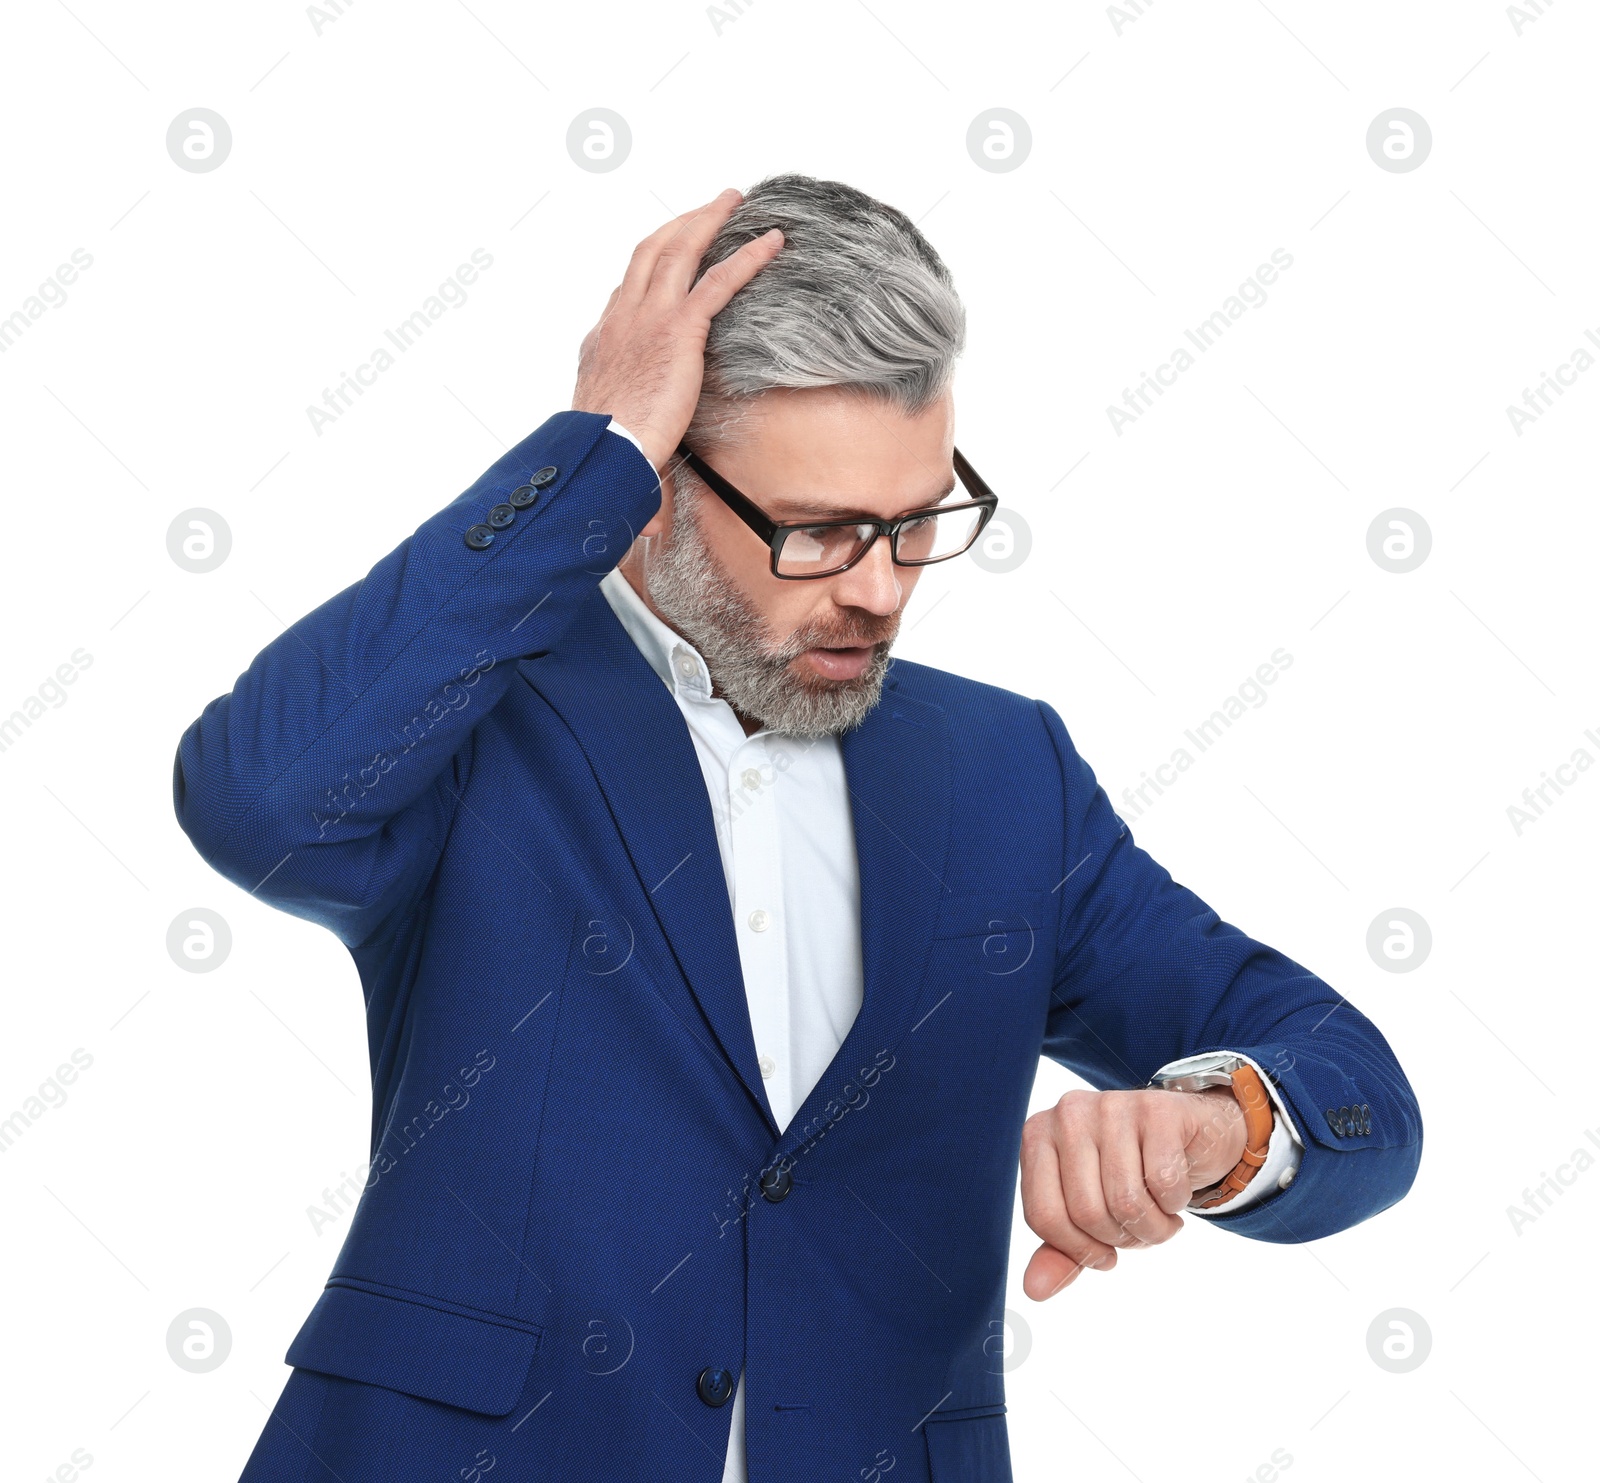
x,y
502,516
1335,1122
546,475
523,497
479,537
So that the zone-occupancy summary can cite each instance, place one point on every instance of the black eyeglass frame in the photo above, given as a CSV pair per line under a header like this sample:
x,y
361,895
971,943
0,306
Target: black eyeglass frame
x,y
776,532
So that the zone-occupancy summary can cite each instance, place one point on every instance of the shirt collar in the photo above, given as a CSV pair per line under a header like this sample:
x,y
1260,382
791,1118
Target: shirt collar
x,y
677,663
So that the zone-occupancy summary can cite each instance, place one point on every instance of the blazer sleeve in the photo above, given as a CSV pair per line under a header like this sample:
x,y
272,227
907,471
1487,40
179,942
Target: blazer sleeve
x,y
326,780
1146,973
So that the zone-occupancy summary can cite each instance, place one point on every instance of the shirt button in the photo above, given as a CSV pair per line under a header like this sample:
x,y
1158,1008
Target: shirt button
x,y
1286,1179
751,778
686,666
768,1066
759,921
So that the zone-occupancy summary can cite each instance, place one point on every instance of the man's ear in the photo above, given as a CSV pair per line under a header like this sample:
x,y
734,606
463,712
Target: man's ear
x,y
661,522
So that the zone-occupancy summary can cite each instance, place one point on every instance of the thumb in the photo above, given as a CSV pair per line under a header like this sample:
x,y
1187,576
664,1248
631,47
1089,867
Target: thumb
x,y
1049,1270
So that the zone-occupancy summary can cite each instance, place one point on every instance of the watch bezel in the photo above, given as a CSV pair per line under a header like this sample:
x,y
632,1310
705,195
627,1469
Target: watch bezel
x,y
1215,1070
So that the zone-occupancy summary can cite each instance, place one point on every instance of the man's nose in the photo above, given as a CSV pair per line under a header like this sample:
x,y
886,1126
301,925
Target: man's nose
x,y
872,583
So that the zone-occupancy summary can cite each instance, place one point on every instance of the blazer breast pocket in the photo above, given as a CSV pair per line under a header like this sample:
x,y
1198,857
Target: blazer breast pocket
x,y
996,933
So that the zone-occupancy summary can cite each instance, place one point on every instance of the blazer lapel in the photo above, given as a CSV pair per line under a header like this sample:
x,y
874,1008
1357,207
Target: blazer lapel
x,y
644,762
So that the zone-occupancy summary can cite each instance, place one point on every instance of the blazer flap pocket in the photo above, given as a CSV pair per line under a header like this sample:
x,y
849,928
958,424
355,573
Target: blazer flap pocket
x,y
475,1363
965,1448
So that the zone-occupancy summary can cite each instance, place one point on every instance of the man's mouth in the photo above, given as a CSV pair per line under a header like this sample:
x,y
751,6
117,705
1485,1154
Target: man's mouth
x,y
841,663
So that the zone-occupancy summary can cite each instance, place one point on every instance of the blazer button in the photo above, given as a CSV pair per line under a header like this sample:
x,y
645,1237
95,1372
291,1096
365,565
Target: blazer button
x,y
776,1183
546,475
1335,1122
502,516
521,498
715,1386
479,536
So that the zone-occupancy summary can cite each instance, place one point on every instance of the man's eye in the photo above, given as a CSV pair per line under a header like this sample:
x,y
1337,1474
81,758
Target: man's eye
x,y
821,545
827,537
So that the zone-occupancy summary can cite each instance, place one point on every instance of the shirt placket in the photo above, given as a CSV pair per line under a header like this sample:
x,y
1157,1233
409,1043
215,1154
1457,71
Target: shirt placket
x,y
759,916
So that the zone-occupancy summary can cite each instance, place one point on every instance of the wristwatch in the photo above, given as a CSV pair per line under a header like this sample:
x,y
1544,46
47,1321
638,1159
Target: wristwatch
x,y
1226,1069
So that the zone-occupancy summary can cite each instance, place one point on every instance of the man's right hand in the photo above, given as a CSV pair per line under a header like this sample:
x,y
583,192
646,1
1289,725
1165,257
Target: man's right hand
x,y
643,363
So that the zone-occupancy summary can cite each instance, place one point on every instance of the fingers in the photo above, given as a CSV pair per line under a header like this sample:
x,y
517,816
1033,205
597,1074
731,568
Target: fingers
x,y
642,263
1068,1247
1167,1169
663,266
1129,1204
679,234
644,362
681,253
1084,1173
1101,1171
723,280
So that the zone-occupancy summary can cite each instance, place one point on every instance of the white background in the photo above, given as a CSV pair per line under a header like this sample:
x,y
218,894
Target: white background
x,y
1172,152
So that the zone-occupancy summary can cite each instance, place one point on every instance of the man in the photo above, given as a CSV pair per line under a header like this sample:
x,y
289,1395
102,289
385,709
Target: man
x,y
708,956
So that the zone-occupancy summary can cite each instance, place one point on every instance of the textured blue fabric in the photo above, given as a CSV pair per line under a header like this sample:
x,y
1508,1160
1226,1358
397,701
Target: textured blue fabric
x,y
463,767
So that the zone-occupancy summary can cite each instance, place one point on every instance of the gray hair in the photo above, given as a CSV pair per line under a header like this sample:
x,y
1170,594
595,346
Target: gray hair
x,y
856,298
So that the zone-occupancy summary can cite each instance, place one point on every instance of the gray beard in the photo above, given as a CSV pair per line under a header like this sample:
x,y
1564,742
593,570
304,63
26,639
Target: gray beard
x,y
748,668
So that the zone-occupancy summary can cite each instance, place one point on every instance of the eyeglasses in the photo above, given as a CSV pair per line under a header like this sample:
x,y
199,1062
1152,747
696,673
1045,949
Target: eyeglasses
x,y
802,549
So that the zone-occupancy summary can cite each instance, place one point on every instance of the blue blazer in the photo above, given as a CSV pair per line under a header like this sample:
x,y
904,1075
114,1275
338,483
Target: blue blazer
x,y
581,1221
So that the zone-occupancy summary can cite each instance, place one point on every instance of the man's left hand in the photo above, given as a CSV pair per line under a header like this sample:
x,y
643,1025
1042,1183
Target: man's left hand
x,y
1103,1171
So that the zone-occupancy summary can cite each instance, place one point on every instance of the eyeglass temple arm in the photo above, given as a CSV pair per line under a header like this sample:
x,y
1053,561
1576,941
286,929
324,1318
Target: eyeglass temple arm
x,y
743,508
970,477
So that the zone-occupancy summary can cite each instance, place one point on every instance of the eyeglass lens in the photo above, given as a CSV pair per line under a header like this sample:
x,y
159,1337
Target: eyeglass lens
x,y
823,548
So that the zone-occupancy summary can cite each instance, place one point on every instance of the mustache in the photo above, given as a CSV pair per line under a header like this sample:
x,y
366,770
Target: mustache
x,y
851,636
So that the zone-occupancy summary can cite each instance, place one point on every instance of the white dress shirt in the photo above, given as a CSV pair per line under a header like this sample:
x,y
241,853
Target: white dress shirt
x,y
782,813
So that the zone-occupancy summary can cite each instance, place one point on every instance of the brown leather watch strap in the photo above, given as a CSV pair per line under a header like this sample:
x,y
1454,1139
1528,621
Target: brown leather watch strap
x,y
1252,1098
